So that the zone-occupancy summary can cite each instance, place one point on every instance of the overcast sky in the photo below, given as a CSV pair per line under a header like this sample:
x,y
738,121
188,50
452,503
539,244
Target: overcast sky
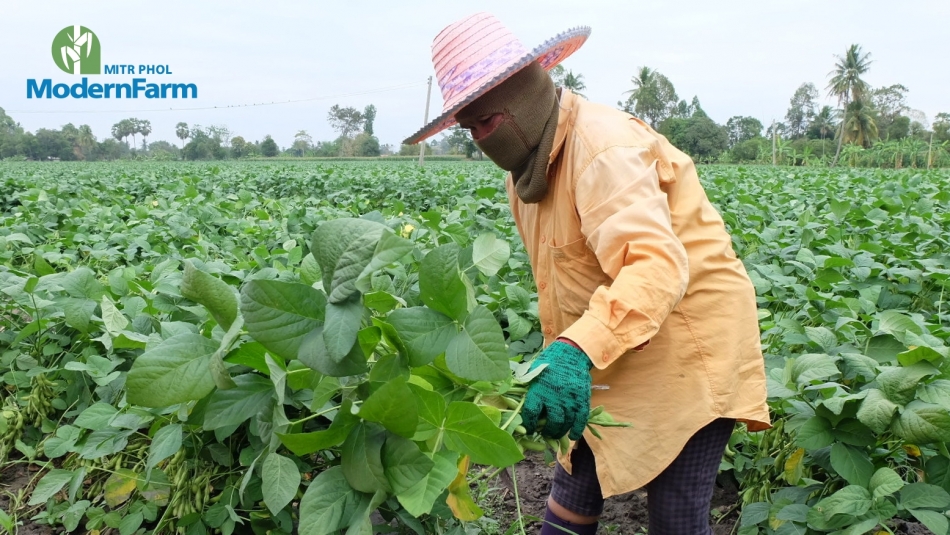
x,y
743,57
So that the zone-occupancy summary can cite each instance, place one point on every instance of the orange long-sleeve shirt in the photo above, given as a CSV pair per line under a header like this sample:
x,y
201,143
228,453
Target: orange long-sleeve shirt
x,y
627,250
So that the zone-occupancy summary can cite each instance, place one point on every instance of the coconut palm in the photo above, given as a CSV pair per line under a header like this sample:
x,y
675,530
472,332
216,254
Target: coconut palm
x,y
652,98
144,127
847,85
181,130
85,140
859,126
575,83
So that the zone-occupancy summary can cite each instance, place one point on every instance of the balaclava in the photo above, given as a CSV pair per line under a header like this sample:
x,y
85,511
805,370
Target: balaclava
x,y
522,142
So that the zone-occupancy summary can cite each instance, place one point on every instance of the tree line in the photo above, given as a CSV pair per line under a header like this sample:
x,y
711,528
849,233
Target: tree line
x,y
868,127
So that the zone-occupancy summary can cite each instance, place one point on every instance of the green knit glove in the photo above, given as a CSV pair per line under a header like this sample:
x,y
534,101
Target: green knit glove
x,y
561,392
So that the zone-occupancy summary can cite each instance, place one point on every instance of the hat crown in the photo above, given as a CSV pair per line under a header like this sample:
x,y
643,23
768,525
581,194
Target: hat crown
x,y
470,52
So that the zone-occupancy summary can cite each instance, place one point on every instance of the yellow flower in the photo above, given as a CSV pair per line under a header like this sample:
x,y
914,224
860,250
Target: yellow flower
x,y
407,230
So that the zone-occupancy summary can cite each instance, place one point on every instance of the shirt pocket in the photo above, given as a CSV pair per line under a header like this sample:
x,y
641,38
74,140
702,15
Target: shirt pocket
x,y
576,275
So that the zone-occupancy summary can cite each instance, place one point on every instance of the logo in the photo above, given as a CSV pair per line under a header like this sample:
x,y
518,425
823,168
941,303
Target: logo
x,y
76,51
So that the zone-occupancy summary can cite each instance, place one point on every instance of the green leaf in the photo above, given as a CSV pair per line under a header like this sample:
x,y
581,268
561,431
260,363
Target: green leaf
x,y
490,254
896,324
389,250
343,321
165,443
62,442
328,504
52,482
884,348
478,352
306,443
923,423
518,327
920,353
823,337
419,498
900,384
754,513
814,366
96,416
885,482
918,495
404,464
362,460
313,353
431,407
174,371
876,411
211,292
344,248
814,434
839,509
936,392
233,406
279,481
935,522
394,406
310,270
113,320
82,284
852,464
425,333
441,284
469,432
280,314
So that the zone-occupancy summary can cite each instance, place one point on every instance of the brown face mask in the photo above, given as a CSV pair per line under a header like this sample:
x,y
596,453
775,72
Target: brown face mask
x,y
522,142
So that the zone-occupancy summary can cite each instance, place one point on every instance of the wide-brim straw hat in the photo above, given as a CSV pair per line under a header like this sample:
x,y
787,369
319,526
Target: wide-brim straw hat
x,y
477,53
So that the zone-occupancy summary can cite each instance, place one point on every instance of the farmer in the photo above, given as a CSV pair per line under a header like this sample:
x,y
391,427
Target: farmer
x,y
638,286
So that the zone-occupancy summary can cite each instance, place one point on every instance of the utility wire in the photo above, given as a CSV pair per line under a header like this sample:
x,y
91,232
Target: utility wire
x,y
233,106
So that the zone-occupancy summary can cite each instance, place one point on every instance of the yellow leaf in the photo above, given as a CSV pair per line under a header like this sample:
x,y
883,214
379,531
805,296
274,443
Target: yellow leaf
x,y
119,486
912,450
793,466
459,499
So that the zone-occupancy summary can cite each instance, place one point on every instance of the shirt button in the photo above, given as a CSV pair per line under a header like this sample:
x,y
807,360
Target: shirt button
x,y
542,285
543,239
548,330
605,356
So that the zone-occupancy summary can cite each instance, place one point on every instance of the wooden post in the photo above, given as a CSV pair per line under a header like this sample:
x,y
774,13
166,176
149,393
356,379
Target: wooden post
x,y
422,144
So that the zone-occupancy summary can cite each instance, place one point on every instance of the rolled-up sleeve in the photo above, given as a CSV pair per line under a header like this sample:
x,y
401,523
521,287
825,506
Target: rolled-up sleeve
x,y
625,217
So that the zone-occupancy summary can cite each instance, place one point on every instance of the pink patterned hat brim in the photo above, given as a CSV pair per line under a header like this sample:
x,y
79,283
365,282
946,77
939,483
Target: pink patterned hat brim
x,y
548,54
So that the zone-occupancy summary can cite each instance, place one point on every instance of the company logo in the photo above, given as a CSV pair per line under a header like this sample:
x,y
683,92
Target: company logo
x,y
76,51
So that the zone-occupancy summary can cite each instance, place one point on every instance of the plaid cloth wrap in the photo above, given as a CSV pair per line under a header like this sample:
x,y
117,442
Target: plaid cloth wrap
x,y
677,500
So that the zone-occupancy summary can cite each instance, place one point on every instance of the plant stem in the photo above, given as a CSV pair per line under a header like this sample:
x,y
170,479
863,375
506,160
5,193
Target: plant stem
x,y
515,413
514,482
314,415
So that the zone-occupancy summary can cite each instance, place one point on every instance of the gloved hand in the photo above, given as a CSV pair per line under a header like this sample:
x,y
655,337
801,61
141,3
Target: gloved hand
x,y
561,392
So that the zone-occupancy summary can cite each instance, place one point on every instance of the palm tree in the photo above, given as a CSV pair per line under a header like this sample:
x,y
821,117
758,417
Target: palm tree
x,y
859,126
181,130
847,85
85,140
145,128
652,98
575,83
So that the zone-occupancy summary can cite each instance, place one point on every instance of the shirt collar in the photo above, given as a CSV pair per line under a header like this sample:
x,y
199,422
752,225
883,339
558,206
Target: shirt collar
x,y
565,119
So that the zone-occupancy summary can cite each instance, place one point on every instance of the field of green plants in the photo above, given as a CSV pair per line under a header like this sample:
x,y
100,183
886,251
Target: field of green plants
x,y
264,348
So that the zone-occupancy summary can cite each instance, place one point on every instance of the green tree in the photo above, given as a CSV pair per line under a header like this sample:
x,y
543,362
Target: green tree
x,y
269,147
801,110
847,85
239,147
822,124
122,130
365,145
742,129
369,116
941,127
699,136
461,142
575,82
182,132
860,127
144,127
652,98
86,141
302,143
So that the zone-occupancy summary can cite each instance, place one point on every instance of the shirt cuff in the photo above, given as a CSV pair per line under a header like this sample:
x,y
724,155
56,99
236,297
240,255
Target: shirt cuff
x,y
595,339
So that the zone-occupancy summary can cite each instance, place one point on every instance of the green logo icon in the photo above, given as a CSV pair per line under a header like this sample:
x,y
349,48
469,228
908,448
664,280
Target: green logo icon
x,y
76,51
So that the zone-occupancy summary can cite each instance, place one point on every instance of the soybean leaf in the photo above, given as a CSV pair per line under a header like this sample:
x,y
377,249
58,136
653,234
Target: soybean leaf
x,y
814,366
851,464
431,407
923,423
900,384
344,248
935,522
815,434
426,333
211,292
280,314
404,464
328,504
174,371
231,407
306,443
52,482
441,284
119,487
876,411
165,443
885,482
469,432
478,353
362,460
394,406
313,353
279,481
489,253
342,325
310,270
917,495
419,498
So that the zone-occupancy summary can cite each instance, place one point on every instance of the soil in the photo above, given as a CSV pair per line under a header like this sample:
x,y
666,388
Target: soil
x,y
14,478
